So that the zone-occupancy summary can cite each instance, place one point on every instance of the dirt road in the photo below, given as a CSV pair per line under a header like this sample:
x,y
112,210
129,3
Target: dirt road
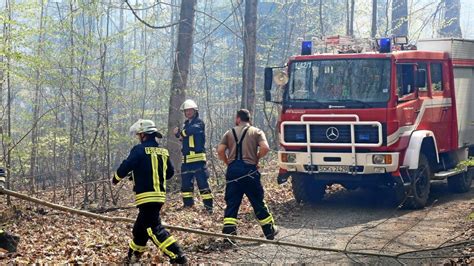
x,y
360,220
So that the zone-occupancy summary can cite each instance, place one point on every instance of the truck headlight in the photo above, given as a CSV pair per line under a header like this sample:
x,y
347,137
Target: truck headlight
x,y
382,159
288,157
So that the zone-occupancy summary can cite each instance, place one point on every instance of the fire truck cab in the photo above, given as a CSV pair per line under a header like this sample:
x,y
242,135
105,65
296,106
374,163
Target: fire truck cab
x,y
398,116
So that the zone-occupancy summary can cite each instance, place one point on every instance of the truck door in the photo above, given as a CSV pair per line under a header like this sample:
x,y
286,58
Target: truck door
x,y
441,106
409,105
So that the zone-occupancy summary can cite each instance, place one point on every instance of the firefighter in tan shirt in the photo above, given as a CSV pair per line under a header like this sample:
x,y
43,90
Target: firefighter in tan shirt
x,y
241,148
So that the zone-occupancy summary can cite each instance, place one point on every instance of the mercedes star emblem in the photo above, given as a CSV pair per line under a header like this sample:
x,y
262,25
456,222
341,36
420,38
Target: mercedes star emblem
x,y
332,133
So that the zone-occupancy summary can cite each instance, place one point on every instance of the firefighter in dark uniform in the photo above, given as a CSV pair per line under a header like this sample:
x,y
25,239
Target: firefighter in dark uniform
x,y
241,148
193,139
150,167
8,241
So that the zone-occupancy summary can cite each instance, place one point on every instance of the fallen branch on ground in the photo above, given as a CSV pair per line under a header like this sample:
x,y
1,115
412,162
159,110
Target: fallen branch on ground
x,y
196,231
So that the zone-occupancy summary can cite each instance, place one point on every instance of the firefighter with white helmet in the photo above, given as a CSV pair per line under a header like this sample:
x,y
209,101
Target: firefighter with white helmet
x,y
193,139
150,167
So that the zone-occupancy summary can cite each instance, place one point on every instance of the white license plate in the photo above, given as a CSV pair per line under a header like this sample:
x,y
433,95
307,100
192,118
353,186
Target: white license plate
x,y
333,168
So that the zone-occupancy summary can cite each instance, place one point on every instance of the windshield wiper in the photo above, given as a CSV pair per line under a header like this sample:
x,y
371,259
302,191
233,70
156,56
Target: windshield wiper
x,y
365,104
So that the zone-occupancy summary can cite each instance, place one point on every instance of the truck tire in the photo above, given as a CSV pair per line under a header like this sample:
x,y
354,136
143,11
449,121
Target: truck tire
x,y
419,190
461,183
306,189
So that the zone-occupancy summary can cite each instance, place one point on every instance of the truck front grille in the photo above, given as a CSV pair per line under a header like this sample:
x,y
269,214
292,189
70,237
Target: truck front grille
x,y
364,134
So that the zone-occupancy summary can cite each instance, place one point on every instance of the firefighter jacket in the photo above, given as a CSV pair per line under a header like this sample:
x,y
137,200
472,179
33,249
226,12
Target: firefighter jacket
x,y
194,139
150,167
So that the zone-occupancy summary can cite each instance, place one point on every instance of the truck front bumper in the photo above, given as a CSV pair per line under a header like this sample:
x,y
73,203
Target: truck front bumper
x,y
335,162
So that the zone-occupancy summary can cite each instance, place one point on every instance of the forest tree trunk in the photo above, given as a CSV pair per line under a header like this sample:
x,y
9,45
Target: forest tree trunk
x,y
373,31
179,80
250,48
36,106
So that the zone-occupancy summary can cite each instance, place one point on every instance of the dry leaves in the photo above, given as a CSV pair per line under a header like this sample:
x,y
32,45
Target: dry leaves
x,y
50,236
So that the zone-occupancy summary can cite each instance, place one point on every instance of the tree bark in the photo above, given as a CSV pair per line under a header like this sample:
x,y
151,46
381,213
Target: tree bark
x,y
400,18
123,72
321,21
181,65
351,28
348,17
373,31
350,9
451,24
36,106
250,50
72,121
8,45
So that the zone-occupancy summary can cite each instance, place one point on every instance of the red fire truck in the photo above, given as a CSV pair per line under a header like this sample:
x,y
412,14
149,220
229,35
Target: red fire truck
x,y
398,117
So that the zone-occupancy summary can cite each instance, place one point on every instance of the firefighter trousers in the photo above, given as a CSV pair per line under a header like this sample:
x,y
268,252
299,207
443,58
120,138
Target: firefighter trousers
x,y
199,171
148,226
244,179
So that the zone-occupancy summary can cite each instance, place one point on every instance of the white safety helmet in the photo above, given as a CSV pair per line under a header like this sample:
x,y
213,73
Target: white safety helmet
x,y
189,104
145,126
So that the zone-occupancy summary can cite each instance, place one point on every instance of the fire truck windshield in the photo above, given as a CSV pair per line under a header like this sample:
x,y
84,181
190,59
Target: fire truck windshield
x,y
347,83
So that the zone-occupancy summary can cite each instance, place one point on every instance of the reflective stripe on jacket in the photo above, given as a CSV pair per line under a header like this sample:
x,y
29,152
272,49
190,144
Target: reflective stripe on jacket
x,y
194,140
150,168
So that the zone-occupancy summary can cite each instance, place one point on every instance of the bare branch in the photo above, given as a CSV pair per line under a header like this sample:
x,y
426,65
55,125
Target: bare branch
x,y
146,23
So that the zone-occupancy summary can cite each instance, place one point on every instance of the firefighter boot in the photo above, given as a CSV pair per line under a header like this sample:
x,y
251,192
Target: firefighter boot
x,y
207,199
188,199
208,204
229,229
8,241
133,256
179,257
270,231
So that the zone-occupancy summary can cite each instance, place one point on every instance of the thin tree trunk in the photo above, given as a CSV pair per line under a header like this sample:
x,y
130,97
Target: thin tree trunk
x,y
72,122
387,21
106,95
122,68
351,24
145,67
36,106
321,24
348,18
8,42
180,74
55,145
250,49
373,31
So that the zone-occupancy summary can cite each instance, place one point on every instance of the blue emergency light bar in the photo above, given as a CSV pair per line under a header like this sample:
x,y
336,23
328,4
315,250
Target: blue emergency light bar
x,y
385,45
306,47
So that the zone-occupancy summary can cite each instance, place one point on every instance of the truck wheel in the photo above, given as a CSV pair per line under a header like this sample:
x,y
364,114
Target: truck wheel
x,y
306,189
420,184
461,183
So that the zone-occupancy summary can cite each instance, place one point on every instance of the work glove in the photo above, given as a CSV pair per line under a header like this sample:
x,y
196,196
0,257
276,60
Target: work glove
x,y
177,132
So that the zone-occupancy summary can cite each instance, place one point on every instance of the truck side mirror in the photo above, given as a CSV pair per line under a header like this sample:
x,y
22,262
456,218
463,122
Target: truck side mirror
x,y
420,81
268,78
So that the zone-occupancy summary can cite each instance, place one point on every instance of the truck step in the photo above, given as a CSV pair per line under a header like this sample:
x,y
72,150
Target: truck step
x,y
448,173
